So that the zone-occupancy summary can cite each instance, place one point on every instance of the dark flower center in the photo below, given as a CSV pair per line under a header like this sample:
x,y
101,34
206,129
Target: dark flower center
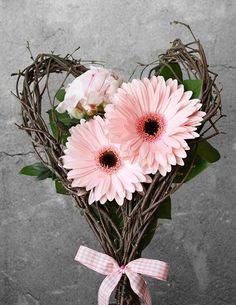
x,y
151,127
108,159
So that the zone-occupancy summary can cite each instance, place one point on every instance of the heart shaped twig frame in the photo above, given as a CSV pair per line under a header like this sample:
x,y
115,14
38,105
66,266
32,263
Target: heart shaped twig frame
x,y
125,231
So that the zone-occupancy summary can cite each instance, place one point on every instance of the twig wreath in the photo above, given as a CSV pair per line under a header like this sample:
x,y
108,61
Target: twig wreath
x,y
122,150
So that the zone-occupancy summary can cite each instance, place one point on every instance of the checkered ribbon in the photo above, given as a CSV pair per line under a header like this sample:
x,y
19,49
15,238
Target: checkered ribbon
x,y
106,265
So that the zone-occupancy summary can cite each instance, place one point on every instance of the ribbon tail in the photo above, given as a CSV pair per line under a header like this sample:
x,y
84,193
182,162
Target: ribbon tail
x,y
107,286
139,286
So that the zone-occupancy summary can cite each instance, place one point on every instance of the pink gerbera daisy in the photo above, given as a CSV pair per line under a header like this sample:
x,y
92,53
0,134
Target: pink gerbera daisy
x,y
98,165
152,119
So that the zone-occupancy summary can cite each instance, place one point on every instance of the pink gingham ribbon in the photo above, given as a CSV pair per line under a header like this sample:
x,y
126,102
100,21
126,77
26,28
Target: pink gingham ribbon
x,y
106,265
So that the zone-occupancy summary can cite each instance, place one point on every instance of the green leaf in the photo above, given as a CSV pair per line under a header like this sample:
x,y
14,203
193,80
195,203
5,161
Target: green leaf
x,y
199,166
185,168
52,123
163,212
194,85
38,170
66,119
173,70
207,152
60,95
60,188
115,214
58,126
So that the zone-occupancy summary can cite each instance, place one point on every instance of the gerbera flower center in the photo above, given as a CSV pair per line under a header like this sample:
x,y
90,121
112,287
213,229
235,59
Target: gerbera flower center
x,y
150,126
108,159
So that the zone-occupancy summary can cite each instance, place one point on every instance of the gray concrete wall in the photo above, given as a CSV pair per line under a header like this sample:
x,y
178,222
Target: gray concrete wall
x,y
41,231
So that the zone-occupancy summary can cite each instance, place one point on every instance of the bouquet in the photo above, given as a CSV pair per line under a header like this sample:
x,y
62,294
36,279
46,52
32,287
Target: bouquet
x,y
121,149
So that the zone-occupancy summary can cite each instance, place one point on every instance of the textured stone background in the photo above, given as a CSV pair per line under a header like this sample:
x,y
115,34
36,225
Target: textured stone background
x,y
40,231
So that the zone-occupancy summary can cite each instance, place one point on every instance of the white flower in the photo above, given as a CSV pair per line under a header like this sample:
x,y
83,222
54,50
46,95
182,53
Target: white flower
x,y
93,88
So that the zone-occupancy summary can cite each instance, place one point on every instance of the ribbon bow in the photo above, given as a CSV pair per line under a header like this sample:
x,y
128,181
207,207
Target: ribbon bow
x,y
106,265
